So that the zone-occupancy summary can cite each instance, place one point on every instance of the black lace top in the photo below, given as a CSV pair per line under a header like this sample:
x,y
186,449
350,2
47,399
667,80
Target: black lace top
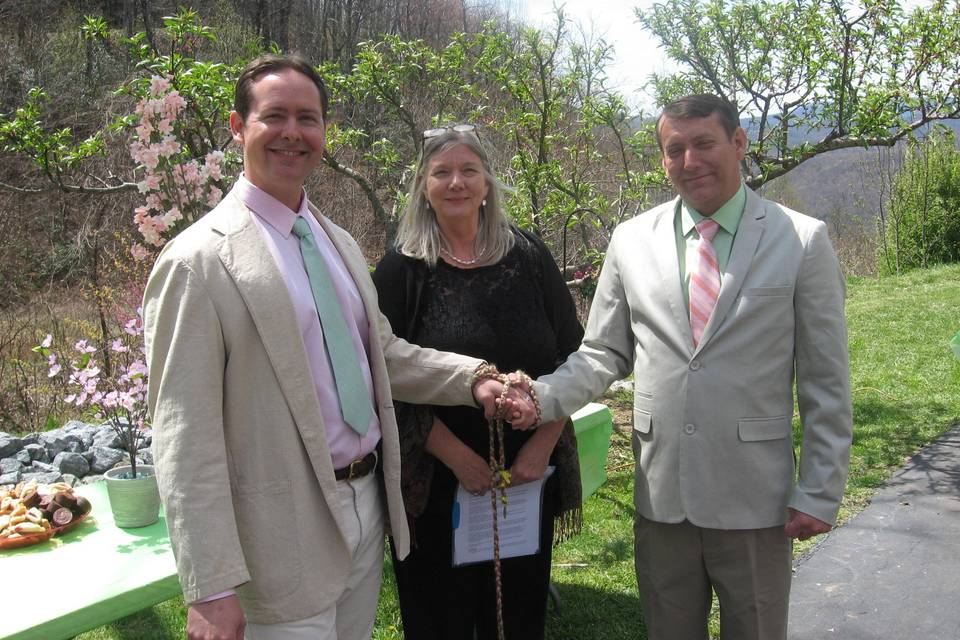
x,y
517,314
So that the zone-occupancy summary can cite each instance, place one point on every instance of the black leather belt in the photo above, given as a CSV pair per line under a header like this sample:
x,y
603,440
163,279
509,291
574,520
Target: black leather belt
x,y
357,468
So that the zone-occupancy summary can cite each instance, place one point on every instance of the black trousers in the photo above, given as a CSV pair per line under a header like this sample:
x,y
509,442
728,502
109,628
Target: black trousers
x,y
442,602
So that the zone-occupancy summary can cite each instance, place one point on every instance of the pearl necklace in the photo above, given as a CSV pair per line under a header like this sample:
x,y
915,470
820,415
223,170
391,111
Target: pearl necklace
x,y
466,263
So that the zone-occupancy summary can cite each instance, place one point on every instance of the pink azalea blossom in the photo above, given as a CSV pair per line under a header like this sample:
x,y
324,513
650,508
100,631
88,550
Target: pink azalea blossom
x,y
158,85
47,341
214,198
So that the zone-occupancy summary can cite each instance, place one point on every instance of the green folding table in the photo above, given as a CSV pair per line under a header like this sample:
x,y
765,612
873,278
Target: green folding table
x,y
88,577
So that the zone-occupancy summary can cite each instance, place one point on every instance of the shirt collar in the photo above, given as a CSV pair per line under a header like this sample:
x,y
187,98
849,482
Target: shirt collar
x,y
272,211
727,216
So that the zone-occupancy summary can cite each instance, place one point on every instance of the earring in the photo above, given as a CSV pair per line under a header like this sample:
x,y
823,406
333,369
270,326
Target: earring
x,y
483,202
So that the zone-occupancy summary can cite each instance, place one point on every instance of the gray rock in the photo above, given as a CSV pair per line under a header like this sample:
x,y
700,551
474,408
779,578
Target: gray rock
x,y
30,438
9,445
10,478
83,430
106,437
626,385
23,456
36,452
104,459
145,455
10,465
43,467
70,479
72,463
57,442
90,479
45,477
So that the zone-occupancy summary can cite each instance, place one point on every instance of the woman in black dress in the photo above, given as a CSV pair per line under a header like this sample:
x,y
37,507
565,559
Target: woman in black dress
x,y
461,278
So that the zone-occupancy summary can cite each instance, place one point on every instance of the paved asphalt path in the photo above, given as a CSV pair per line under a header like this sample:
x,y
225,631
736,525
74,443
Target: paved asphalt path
x,y
893,571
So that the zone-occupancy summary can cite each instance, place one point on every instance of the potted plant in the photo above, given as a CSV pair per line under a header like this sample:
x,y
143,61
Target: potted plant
x,y
117,396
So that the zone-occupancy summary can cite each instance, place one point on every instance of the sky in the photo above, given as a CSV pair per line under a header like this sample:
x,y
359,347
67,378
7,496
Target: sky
x,y
636,54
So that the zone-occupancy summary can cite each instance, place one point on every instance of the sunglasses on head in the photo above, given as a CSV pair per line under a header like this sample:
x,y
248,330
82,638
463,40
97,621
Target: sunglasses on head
x,y
459,128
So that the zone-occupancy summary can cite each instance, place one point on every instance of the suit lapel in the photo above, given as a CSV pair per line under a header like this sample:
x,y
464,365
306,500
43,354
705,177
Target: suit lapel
x,y
665,248
751,228
247,258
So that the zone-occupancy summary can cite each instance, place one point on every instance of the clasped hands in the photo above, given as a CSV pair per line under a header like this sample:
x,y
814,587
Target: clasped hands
x,y
517,407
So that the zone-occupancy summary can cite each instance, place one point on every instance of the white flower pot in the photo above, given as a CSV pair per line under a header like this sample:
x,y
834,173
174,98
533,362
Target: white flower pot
x,y
135,502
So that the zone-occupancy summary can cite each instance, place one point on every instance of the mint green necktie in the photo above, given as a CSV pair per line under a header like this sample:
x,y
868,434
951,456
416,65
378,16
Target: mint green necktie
x,y
351,387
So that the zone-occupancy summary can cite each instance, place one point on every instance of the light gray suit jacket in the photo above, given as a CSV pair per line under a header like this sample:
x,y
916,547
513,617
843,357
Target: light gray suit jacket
x,y
243,464
712,425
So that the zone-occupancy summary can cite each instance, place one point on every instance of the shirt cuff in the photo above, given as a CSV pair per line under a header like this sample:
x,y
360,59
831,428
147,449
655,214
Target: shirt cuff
x,y
218,596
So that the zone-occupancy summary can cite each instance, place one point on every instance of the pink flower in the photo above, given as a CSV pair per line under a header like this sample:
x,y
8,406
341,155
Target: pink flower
x,y
144,129
139,252
214,198
173,104
134,326
158,85
47,341
167,147
149,157
83,347
117,346
54,370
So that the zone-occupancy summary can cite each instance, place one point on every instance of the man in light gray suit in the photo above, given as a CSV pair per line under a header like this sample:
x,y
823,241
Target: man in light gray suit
x,y
720,303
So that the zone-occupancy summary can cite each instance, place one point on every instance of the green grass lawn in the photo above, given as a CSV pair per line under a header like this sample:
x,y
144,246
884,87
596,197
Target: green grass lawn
x,y
906,392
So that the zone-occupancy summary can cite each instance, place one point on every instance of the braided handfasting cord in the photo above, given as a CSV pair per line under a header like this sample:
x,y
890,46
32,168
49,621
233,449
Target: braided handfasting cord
x,y
500,476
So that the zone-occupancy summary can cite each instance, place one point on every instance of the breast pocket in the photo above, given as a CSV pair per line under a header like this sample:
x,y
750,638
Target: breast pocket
x,y
752,292
768,306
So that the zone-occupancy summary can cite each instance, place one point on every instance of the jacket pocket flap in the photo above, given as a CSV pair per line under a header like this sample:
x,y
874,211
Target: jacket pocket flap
x,y
768,291
641,421
757,429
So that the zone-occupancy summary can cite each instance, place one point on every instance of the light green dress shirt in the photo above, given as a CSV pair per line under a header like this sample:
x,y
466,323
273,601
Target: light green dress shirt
x,y
728,217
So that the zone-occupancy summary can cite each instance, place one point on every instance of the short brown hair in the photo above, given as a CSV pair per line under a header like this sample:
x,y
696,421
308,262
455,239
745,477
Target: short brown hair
x,y
701,105
271,63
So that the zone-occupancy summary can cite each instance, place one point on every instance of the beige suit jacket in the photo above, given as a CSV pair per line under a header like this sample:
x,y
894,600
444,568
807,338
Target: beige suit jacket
x,y
244,470
712,425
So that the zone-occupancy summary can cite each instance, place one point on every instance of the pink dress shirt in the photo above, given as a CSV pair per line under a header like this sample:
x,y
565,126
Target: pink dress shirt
x,y
275,222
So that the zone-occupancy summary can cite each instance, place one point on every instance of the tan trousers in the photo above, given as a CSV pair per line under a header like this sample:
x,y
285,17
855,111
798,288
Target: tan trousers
x,y
352,617
677,564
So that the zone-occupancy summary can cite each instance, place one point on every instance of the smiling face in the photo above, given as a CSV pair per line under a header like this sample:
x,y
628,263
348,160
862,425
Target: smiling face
x,y
702,161
456,185
283,135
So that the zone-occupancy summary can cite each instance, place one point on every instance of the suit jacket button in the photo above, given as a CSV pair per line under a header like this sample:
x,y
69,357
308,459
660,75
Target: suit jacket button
x,y
689,429
695,365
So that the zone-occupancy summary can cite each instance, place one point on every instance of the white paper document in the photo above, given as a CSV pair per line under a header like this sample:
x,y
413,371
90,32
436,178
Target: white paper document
x,y
519,532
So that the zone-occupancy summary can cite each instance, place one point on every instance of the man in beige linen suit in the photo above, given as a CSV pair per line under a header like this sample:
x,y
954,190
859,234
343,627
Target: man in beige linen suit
x,y
275,510
717,495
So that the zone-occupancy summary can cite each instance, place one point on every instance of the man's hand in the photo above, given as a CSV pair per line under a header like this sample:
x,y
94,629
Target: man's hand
x,y
220,619
518,408
802,526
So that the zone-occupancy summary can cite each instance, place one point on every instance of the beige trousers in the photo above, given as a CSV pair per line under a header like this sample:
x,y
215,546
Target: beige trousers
x,y
352,617
678,564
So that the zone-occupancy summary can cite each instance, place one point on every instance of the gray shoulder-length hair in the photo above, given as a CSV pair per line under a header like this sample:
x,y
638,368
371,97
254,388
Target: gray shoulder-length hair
x,y
418,235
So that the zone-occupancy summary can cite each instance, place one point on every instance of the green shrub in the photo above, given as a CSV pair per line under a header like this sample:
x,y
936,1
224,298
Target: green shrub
x,y
923,226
